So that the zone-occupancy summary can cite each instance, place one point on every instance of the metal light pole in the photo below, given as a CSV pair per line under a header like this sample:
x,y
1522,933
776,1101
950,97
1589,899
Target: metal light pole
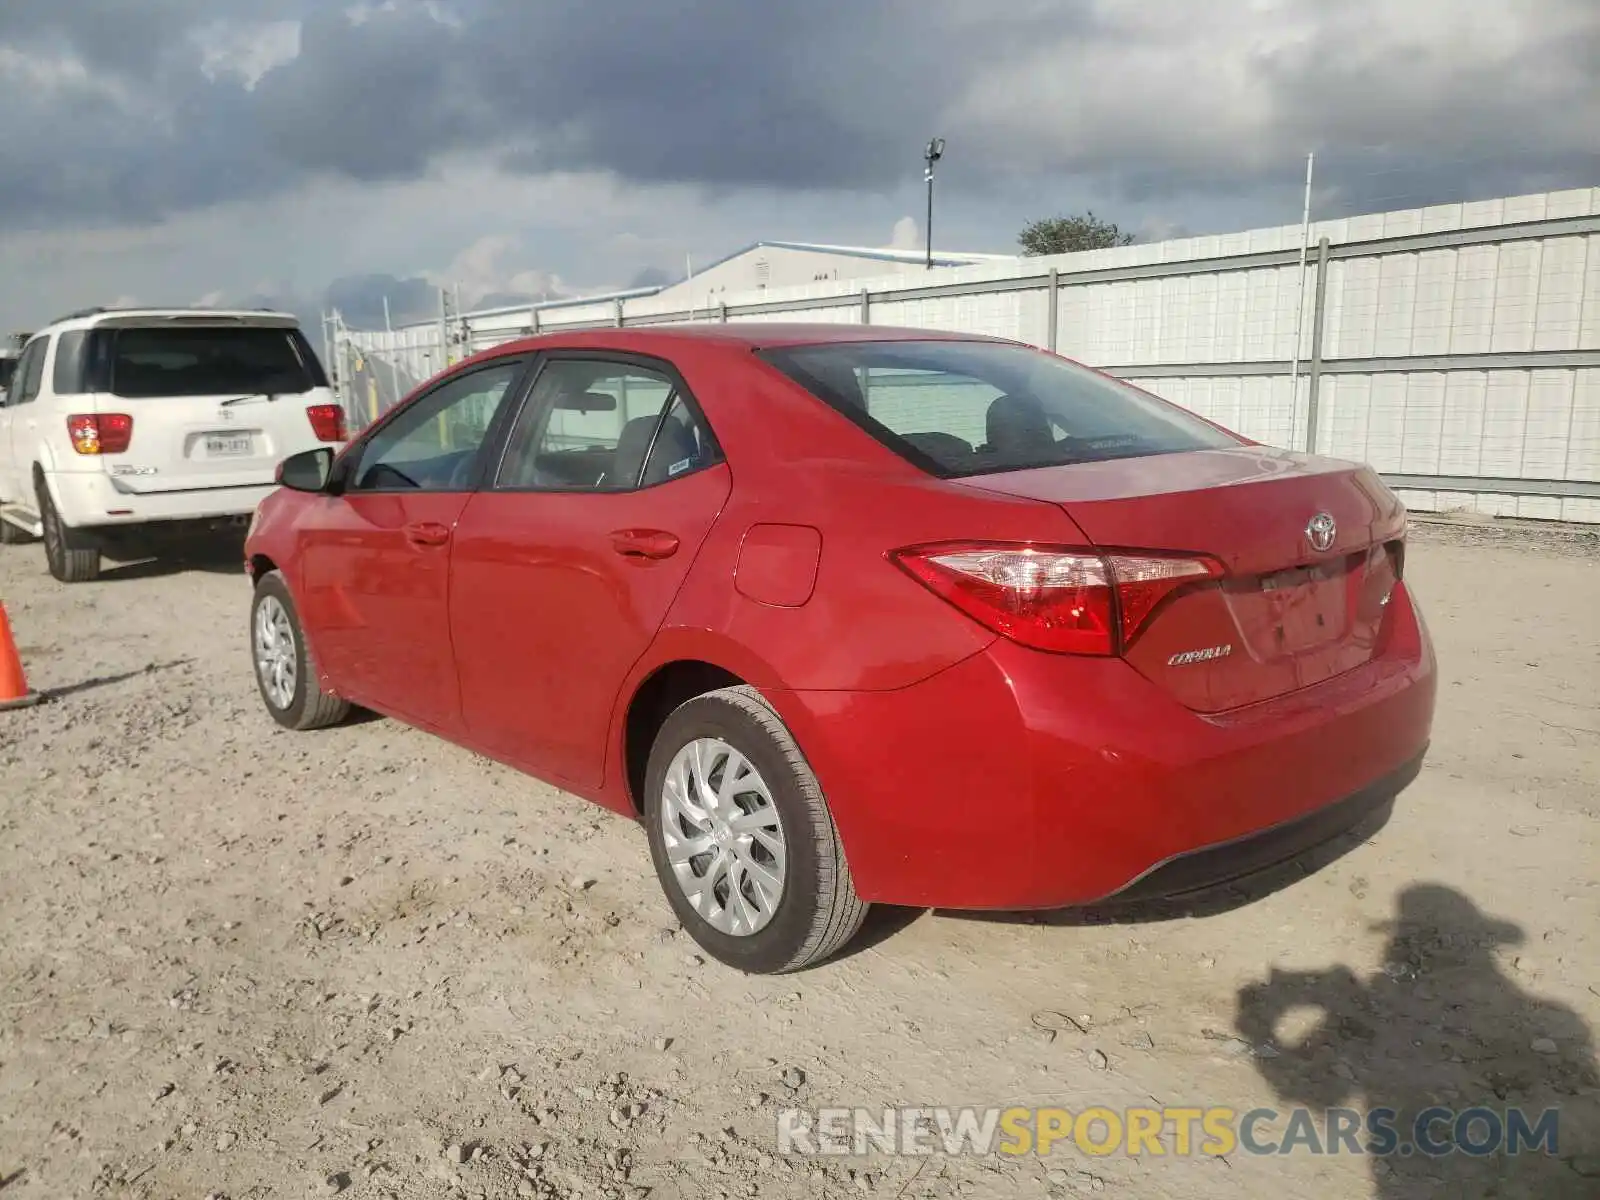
x,y
932,154
1300,302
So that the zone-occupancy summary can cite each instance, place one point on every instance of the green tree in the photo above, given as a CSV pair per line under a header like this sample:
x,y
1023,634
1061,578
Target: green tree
x,y
1066,235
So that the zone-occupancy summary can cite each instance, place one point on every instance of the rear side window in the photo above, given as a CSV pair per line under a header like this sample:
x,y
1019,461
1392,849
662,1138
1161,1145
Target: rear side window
x,y
602,425
143,362
66,378
7,366
974,408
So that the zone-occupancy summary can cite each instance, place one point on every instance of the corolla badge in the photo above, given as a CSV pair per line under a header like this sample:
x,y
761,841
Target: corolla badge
x,y
1320,532
1209,654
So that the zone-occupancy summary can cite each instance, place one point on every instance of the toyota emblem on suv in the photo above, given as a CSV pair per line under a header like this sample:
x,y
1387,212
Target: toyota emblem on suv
x,y
1320,531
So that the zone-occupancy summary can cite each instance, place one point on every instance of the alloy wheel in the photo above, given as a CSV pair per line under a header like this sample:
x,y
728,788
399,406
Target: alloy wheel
x,y
723,838
277,660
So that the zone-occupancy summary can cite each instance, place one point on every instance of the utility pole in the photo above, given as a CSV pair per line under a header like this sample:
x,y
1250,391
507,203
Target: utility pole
x,y
1300,300
932,154
394,369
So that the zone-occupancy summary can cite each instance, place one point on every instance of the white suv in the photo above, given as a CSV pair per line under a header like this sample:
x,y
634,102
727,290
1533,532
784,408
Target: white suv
x,y
125,427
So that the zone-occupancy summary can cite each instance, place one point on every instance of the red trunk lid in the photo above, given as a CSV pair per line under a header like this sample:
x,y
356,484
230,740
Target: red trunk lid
x,y
1289,611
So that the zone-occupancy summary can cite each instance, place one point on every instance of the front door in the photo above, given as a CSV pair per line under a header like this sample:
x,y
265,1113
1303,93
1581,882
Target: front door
x,y
564,566
376,558
19,426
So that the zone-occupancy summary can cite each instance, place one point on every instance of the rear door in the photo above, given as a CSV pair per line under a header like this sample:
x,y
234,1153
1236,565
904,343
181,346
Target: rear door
x,y
564,569
215,402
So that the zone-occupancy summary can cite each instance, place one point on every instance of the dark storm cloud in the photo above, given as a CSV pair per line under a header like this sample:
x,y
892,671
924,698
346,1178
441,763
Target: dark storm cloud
x,y
1153,99
133,37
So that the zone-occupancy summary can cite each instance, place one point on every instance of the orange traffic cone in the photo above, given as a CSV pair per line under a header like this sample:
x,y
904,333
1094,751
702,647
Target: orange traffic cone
x,y
14,691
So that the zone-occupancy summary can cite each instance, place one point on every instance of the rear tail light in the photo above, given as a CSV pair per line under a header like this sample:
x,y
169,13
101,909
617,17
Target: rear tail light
x,y
1061,600
100,433
327,422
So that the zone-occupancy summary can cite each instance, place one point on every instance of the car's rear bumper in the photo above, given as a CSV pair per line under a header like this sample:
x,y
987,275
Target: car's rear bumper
x,y
1255,854
90,498
1017,779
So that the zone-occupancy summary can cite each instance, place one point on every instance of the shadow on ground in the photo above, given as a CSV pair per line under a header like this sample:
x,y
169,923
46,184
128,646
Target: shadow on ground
x,y
1437,1031
223,555
89,685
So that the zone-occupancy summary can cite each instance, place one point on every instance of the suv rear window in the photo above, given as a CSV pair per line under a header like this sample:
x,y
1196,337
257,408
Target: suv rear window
x,y
143,362
975,408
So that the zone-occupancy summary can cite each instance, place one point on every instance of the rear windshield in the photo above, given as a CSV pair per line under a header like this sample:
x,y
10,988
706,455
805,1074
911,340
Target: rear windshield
x,y
140,363
975,408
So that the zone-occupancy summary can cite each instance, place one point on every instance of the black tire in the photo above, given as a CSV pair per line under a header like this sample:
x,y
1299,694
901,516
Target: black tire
x,y
818,910
13,535
72,555
309,707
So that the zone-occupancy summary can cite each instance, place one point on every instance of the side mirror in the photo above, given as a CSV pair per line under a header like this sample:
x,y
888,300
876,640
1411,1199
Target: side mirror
x,y
307,471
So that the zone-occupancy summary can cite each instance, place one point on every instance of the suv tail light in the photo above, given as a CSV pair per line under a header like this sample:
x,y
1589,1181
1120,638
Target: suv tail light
x,y
100,433
1061,600
327,422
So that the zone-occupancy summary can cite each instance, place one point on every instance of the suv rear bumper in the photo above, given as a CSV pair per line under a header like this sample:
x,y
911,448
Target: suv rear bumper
x,y
89,499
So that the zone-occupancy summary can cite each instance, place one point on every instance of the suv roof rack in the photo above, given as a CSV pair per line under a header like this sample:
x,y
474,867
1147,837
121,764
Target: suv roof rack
x,y
80,313
102,309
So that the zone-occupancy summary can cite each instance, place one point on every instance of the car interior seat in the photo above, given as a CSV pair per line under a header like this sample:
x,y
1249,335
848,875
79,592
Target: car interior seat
x,y
1017,427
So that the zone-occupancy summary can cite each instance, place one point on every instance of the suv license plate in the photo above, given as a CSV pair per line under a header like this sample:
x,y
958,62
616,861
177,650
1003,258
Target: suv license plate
x,y
229,445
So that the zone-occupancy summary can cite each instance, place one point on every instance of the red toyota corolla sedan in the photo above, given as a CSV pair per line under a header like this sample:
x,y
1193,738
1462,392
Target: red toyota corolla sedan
x,y
851,614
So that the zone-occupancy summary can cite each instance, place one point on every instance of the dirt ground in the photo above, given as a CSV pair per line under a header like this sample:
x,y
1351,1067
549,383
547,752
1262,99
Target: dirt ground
x,y
239,962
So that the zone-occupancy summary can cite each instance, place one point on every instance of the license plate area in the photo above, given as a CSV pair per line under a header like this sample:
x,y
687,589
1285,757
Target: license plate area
x,y
1292,611
1307,605
228,445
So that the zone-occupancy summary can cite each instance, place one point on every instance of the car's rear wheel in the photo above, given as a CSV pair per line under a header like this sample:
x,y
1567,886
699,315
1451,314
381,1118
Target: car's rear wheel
x,y
13,535
71,555
286,673
742,838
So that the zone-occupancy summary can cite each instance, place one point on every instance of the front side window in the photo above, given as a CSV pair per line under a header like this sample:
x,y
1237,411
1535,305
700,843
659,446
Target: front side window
x,y
594,425
433,443
29,375
142,362
970,408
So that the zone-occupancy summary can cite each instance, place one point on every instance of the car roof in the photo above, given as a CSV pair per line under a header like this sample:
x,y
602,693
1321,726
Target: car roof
x,y
754,335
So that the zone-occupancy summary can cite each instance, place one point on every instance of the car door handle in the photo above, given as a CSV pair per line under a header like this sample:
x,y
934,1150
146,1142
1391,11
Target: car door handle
x,y
644,543
427,533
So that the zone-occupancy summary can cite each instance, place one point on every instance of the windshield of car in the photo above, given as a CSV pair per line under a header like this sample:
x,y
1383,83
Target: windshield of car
x,y
208,361
972,408
7,367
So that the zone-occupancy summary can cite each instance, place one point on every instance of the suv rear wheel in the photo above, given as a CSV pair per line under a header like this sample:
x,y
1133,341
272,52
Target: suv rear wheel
x,y
72,555
742,838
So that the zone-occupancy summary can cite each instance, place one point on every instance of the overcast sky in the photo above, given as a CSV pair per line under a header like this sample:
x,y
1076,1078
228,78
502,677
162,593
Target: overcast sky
x,y
189,151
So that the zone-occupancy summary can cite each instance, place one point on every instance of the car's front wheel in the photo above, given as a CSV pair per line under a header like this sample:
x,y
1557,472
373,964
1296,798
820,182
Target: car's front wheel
x,y
742,838
286,674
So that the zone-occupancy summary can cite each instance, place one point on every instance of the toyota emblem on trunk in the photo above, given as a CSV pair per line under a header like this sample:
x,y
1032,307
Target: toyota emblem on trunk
x,y
1320,531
